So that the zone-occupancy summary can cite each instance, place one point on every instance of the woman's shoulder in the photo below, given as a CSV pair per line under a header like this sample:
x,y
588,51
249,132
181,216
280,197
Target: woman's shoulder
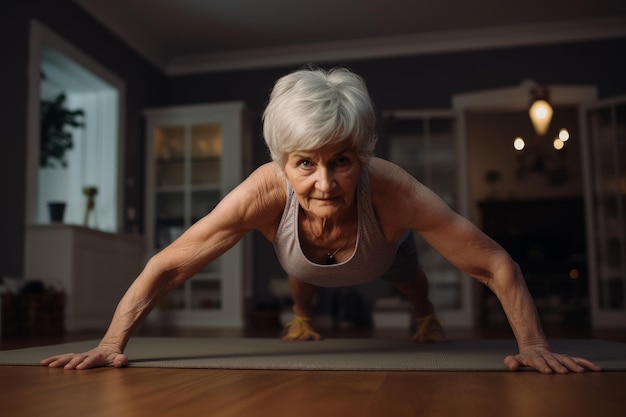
x,y
262,196
395,196
388,178
383,167
269,171
266,182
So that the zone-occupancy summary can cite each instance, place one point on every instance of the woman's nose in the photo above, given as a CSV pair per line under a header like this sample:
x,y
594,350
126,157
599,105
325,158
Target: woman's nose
x,y
325,180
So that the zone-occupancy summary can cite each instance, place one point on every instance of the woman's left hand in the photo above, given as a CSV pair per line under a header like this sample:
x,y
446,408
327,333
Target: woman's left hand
x,y
548,362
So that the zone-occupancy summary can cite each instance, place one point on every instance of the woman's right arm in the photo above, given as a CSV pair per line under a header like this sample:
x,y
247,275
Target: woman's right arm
x,y
256,203
136,303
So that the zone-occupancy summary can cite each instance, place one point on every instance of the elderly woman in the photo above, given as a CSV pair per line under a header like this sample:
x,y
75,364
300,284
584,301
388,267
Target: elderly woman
x,y
337,216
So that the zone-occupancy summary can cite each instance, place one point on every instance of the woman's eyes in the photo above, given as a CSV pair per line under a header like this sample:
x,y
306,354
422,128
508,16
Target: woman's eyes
x,y
339,162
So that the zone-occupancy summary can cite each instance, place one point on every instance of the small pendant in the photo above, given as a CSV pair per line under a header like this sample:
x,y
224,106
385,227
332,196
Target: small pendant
x,y
330,257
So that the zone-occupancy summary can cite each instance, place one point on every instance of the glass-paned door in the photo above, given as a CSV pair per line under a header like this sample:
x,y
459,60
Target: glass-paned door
x,y
606,210
196,154
188,179
425,145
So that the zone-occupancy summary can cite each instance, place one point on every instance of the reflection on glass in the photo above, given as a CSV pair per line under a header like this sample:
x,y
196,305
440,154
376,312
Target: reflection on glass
x,y
407,145
170,221
206,154
206,140
170,151
202,202
205,295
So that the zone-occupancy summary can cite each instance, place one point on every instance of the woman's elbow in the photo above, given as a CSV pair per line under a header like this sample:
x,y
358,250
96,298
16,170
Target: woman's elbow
x,y
502,268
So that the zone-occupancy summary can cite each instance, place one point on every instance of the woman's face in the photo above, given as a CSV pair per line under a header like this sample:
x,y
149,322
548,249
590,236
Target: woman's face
x,y
324,179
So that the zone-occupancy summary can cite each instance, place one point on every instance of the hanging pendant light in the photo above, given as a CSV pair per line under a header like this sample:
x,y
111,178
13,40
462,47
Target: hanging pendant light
x,y
540,111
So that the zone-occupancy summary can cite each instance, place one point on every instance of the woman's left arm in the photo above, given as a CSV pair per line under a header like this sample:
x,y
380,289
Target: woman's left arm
x,y
477,255
480,257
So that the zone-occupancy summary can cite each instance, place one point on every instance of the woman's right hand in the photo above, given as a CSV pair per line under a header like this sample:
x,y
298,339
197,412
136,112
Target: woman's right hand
x,y
99,356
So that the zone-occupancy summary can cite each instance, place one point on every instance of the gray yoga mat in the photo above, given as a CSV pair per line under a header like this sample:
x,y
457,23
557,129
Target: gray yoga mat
x,y
329,354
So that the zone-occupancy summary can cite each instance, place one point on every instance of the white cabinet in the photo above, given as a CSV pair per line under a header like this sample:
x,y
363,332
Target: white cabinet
x,y
93,268
195,155
425,144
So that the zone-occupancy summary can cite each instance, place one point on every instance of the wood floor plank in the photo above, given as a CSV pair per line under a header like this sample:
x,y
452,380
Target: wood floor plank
x,y
36,391
32,391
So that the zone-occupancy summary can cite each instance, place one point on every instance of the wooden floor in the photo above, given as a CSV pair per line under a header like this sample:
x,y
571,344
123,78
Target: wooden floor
x,y
40,391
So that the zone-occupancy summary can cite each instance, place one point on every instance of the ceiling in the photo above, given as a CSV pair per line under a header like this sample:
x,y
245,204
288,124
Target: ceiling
x,y
190,36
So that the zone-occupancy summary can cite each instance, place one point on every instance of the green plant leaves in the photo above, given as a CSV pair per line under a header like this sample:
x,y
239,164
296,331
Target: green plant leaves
x,y
55,138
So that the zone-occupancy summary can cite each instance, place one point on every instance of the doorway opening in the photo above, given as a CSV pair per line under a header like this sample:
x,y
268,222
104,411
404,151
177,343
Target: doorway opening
x,y
530,201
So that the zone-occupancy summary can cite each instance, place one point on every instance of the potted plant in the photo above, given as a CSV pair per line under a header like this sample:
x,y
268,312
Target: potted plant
x,y
56,140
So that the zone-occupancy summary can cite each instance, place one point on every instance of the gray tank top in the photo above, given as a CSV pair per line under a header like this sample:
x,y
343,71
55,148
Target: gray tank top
x,y
372,256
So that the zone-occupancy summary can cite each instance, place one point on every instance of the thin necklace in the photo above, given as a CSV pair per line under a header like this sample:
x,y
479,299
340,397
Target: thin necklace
x,y
330,257
330,254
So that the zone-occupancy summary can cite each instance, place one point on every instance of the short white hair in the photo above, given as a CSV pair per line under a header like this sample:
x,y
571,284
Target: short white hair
x,y
310,108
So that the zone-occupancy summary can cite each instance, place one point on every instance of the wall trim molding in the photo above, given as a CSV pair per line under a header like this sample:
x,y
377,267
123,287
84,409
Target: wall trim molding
x,y
442,42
